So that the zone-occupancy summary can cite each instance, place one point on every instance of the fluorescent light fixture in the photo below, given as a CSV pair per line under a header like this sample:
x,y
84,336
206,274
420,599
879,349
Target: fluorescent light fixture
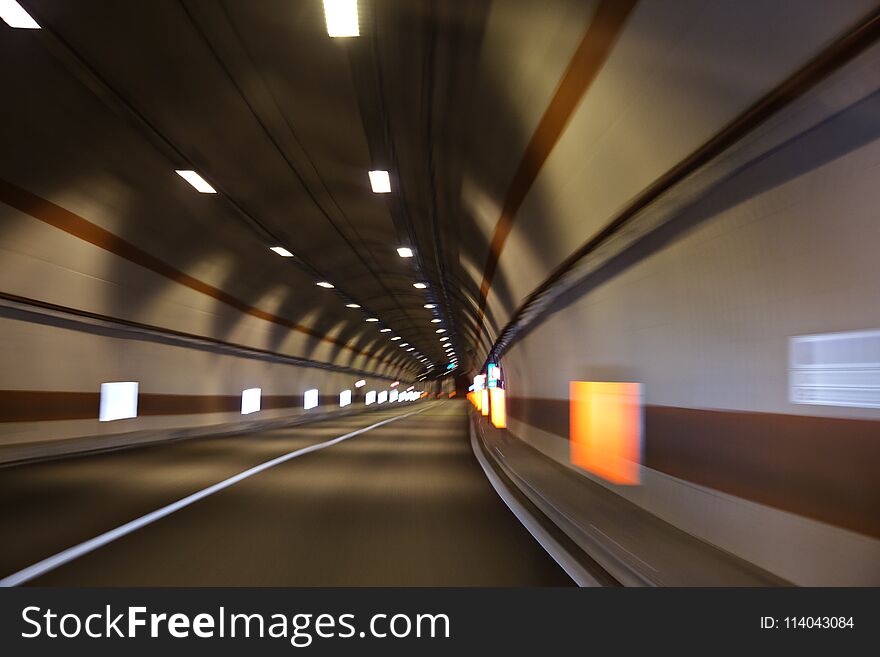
x,y
382,397
310,399
370,398
15,16
385,330
396,337
405,252
394,395
372,319
196,181
411,349
280,250
342,18
420,286
403,344
430,305
440,331
118,400
325,284
360,384
444,338
250,400
352,305
344,398
395,384
436,321
380,182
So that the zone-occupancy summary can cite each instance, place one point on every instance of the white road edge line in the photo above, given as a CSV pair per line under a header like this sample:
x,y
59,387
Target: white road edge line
x,y
63,557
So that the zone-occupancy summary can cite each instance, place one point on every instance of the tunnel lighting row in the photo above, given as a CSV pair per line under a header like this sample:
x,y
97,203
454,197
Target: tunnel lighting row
x,y
119,399
342,21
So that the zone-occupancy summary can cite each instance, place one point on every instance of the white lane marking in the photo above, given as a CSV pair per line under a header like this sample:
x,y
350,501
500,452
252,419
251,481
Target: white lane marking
x,y
56,560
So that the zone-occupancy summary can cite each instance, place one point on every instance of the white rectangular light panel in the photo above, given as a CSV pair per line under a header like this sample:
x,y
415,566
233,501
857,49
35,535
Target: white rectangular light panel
x,y
380,182
250,400
405,252
310,399
835,369
118,401
14,15
196,181
383,396
342,18
360,384
344,398
370,398
280,250
394,395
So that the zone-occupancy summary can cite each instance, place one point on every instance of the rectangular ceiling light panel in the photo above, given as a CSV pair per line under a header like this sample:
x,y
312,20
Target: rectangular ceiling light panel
x,y
380,182
196,181
310,399
14,15
342,18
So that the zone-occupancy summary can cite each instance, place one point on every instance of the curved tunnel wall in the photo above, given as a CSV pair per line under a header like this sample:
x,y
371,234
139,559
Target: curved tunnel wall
x,y
701,312
79,308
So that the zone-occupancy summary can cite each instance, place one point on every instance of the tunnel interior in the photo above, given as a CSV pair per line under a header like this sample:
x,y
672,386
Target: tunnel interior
x,y
440,293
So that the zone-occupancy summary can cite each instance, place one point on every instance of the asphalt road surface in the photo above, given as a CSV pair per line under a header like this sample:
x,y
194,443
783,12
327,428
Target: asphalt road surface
x,y
403,504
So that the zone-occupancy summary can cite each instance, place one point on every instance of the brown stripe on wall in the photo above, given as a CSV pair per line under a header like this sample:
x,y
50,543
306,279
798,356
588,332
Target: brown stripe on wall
x,y
819,467
40,406
73,224
48,405
589,57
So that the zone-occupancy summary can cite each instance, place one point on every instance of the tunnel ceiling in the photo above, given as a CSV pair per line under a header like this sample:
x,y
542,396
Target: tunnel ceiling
x,y
464,102
285,123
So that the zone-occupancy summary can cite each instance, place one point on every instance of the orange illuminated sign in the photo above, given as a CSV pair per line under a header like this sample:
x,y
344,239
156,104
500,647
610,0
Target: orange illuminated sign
x,y
498,413
484,402
606,429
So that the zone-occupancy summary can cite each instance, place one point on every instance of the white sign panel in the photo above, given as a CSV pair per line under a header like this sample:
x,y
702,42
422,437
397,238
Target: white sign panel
x,y
835,369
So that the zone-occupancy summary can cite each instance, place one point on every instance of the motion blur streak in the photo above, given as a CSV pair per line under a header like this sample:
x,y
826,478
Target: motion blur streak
x,y
606,429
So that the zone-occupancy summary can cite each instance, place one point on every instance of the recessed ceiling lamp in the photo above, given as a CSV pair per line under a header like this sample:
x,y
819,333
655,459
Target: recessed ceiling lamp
x,y
430,305
420,286
352,305
405,252
342,18
396,337
440,331
280,250
444,338
385,330
411,349
372,319
325,284
380,182
196,181
14,15
436,321
404,344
